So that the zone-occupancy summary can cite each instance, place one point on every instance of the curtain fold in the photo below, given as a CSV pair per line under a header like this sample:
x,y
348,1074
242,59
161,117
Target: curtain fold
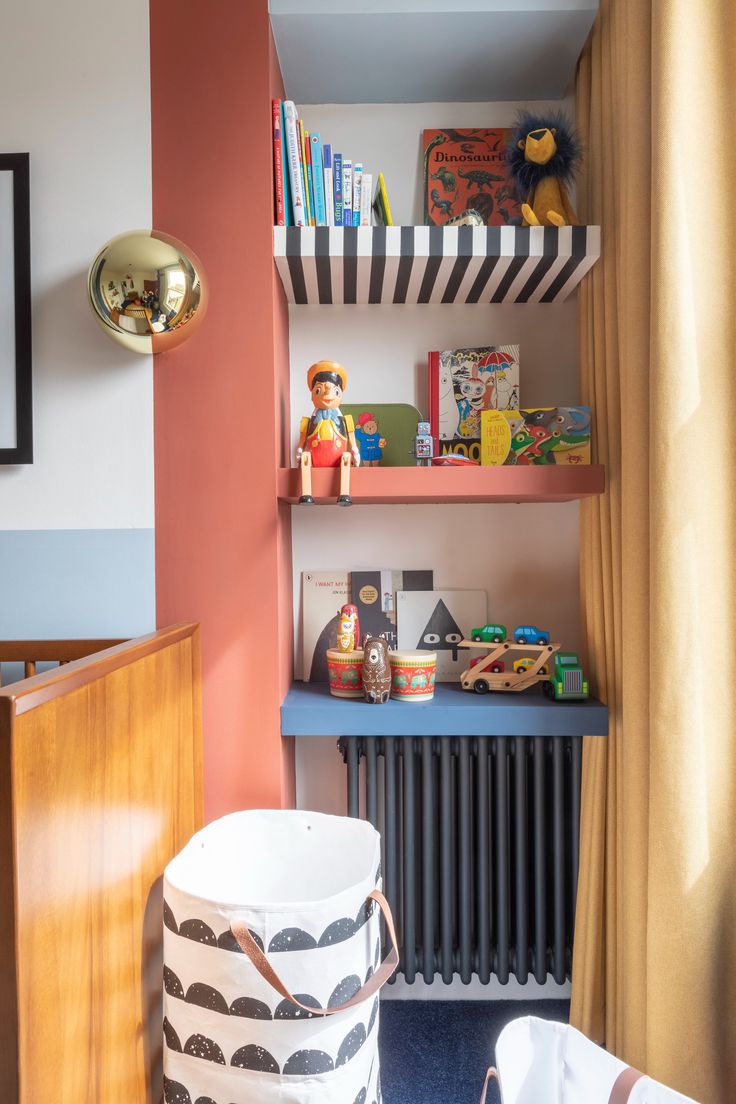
x,y
654,972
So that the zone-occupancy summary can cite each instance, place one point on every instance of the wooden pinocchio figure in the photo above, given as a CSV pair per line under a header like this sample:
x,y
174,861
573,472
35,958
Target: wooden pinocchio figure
x,y
327,437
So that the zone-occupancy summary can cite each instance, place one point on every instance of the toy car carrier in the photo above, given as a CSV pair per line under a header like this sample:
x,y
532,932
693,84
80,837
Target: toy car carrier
x,y
560,672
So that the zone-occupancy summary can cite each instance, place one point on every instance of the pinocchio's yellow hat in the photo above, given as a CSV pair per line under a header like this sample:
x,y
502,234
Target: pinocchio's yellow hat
x,y
327,366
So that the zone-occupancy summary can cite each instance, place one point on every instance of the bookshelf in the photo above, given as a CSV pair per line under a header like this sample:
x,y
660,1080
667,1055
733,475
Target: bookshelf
x,y
309,710
443,485
321,266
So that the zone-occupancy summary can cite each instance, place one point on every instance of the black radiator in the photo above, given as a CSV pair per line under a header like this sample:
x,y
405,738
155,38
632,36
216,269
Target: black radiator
x,y
480,839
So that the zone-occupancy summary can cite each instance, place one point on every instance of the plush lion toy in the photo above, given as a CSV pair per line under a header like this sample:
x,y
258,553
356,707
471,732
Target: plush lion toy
x,y
542,159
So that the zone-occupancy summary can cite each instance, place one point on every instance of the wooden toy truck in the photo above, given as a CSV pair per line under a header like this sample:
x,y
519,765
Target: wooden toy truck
x,y
560,672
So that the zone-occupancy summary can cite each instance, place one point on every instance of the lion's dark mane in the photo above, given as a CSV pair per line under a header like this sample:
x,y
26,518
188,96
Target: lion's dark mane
x,y
564,163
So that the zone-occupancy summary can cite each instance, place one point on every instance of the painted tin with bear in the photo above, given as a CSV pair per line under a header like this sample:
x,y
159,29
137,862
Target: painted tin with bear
x,y
413,675
345,672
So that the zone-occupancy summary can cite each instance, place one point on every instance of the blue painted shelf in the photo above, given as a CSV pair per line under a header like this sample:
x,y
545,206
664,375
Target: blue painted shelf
x,y
309,710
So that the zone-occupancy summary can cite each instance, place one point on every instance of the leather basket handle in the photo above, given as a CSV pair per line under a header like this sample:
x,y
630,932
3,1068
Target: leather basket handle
x,y
623,1085
491,1075
376,981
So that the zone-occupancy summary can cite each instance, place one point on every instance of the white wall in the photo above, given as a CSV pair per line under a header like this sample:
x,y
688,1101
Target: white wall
x,y
90,179
76,526
526,556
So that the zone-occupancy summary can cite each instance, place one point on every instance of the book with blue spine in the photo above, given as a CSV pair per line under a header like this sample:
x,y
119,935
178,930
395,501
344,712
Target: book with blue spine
x,y
329,187
337,169
288,208
347,192
357,188
318,183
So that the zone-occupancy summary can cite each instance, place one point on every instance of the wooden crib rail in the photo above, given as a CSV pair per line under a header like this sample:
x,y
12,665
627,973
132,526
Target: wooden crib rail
x,y
32,652
100,785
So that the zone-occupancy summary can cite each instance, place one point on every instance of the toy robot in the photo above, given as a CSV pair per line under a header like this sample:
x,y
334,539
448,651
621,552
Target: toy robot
x,y
327,437
423,445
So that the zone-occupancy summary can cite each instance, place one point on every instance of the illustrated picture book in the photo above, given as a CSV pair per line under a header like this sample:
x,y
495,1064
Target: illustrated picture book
x,y
438,620
540,435
461,384
323,595
468,170
374,593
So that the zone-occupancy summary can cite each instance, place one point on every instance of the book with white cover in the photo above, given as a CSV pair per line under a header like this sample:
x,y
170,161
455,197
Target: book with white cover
x,y
295,171
437,620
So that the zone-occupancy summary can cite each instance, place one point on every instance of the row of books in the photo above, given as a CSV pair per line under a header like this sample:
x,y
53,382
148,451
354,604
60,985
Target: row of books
x,y
314,186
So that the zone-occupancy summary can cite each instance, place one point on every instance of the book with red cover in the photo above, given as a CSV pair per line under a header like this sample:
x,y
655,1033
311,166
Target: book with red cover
x,y
468,169
278,167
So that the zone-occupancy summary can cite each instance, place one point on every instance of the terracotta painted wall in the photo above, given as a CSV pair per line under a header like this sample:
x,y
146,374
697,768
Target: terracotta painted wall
x,y
222,541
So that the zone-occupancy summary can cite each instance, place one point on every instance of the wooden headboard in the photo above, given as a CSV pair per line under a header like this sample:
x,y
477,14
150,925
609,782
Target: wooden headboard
x,y
100,785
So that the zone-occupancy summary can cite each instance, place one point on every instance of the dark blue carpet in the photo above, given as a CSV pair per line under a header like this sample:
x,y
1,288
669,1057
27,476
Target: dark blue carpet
x,y
437,1052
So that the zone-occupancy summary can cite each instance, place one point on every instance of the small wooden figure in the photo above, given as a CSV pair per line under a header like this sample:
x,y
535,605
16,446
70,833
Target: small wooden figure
x,y
423,445
327,437
376,670
370,441
351,611
346,635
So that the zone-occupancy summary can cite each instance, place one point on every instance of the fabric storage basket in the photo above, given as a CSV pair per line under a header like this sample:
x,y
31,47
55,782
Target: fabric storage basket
x,y
541,1062
272,962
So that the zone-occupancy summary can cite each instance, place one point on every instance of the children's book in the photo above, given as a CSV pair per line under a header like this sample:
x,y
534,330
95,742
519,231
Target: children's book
x,y
438,620
347,192
366,196
324,593
374,593
462,383
542,435
305,177
468,169
278,169
295,164
288,208
381,204
318,180
337,179
357,191
329,187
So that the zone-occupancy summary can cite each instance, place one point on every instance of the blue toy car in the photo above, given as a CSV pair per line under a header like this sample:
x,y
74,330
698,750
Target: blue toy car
x,y
530,634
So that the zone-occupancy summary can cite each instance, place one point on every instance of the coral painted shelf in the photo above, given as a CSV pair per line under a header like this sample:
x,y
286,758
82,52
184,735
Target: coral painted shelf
x,y
309,710
433,264
528,483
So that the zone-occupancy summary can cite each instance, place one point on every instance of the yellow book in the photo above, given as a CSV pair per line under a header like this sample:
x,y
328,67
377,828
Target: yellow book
x,y
303,139
381,205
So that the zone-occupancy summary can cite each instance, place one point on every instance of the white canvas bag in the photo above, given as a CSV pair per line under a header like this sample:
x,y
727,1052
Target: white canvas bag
x,y
542,1062
272,962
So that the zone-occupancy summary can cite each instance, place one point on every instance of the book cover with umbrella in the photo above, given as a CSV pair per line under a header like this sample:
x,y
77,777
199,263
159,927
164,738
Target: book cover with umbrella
x,y
462,384
437,620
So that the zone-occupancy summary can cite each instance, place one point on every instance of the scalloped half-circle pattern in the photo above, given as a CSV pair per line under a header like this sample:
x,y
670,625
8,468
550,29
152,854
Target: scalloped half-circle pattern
x,y
343,991
250,1009
286,1010
198,931
175,1093
306,1063
292,939
351,1044
252,1057
206,996
199,1046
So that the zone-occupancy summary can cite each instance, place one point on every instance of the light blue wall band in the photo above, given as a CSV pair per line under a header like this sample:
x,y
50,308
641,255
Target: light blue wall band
x,y
58,583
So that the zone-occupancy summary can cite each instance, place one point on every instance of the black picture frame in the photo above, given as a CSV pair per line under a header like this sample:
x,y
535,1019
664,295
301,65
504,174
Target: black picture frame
x,y
19,165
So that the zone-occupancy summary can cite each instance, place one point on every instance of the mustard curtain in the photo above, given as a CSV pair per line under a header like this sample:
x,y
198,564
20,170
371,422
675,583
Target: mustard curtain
x,y
654,972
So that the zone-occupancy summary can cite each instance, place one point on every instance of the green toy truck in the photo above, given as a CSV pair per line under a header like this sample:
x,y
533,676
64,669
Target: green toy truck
x,y
567,680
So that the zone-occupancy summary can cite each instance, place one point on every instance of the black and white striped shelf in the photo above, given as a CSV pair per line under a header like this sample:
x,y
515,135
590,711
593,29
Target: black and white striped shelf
x,y
433,264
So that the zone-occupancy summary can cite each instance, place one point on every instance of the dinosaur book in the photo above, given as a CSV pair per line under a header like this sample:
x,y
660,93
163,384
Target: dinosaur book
x,y
468,170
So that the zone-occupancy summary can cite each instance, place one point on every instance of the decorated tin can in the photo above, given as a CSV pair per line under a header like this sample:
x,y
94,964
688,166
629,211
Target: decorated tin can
x,y
413,675
345,671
